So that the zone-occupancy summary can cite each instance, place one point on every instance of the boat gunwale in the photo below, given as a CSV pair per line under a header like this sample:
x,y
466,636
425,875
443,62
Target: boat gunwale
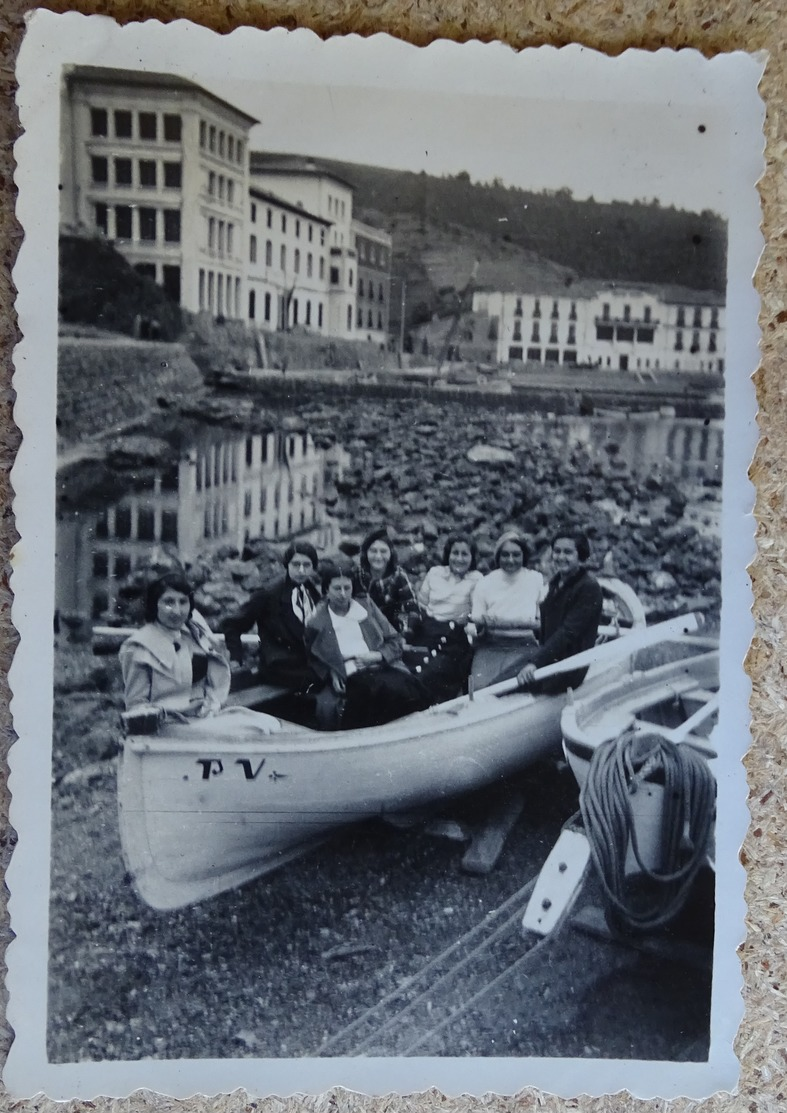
x,y
575,717
306,740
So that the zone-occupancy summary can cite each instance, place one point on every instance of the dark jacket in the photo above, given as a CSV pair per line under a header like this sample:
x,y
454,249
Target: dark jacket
x,y
284,658
569,624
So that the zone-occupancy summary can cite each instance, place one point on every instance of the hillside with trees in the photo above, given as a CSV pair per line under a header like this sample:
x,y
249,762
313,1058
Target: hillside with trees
x,y
639,241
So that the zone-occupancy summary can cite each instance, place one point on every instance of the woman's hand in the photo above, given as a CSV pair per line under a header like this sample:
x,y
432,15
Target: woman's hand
x,y
526,676
338,684
366,660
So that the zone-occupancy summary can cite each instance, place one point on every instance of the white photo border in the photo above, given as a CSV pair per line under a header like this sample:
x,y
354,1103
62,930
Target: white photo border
x,y
725,85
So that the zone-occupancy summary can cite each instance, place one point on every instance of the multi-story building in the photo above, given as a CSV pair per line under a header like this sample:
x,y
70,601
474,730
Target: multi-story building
x,y
612,326
373,249
159,166
288,272
304,184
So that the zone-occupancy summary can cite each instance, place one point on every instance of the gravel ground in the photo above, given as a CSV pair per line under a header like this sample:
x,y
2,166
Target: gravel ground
x,y
280,965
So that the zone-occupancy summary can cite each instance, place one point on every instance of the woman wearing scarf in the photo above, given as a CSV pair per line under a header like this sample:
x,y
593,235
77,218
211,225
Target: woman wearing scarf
x,y
280,612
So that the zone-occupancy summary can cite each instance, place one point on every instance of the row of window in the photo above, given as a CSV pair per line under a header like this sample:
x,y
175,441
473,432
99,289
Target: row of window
x,y
625,333
695,341
606,313
219,293
138,223
220,143
145,126
370,318
698,319
370,288
221,187
221,237
298,222
145,173
296,258
555,314
374,253
535,333
551,355
336,206
288,310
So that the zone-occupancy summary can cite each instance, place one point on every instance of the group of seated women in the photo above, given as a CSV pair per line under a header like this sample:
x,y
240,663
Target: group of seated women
x,y
354,646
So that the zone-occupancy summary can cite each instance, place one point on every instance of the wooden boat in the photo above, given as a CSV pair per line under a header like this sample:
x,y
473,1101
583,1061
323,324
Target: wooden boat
x,y
209,804
623,797
677,701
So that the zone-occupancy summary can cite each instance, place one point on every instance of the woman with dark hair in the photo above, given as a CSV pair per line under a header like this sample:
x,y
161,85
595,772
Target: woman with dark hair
x,y
171,662
280,612
381,577
356,654
570,613
444,634
505,613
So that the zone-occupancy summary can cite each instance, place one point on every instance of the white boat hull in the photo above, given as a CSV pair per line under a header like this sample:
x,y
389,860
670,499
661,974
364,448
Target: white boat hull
x,y
207,806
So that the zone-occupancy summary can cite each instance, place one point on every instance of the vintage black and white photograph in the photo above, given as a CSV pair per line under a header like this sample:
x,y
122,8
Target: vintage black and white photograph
x,y
384,519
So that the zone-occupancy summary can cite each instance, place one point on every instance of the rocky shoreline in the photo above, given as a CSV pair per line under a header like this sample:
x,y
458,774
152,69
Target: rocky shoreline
x,y
425,468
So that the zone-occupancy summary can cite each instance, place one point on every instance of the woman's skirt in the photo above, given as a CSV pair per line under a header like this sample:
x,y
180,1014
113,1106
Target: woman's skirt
x,y
441,660
378,695
499,658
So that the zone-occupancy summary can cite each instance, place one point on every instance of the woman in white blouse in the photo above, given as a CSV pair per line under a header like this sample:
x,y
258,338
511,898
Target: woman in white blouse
x,y
444,636
505,611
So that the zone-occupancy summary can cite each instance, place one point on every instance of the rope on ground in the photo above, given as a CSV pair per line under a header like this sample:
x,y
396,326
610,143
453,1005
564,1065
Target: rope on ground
x,y
618,770
515,902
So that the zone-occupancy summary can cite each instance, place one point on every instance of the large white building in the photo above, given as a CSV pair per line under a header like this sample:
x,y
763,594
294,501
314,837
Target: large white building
x,y
159,166
609,325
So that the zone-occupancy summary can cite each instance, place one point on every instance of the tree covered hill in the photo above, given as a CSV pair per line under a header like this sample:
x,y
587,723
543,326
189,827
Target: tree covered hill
x,y
639,241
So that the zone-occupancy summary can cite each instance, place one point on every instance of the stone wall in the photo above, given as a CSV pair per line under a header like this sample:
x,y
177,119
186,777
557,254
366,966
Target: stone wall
x,y
108,383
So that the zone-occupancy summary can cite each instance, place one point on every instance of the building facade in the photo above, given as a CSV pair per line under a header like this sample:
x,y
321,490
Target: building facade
x,y
612,326
159,166
304,185
288,273
373,249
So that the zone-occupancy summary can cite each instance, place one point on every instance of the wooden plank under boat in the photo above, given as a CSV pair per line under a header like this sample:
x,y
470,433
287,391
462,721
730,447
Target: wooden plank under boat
x,y
212,803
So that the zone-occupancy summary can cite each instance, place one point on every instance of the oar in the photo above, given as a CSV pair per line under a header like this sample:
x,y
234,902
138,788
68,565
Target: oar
x,y
623,646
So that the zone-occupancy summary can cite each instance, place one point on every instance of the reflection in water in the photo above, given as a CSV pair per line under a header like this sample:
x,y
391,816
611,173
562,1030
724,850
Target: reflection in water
x,y
223,492
687,448
227,489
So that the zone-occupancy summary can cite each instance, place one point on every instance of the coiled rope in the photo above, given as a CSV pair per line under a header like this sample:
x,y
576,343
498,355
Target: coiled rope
x,y
618,770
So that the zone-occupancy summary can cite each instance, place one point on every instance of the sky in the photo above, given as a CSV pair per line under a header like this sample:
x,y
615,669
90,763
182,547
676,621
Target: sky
x,y
639,126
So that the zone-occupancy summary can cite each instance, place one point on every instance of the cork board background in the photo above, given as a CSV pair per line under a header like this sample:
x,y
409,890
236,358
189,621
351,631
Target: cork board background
x,y
611,26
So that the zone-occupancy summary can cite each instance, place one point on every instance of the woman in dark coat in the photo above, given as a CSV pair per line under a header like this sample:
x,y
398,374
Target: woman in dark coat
x,y
382,578
280,612
570,614
356,654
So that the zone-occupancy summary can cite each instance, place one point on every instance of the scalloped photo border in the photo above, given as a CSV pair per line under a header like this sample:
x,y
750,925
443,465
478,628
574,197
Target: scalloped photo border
x,y
665,85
